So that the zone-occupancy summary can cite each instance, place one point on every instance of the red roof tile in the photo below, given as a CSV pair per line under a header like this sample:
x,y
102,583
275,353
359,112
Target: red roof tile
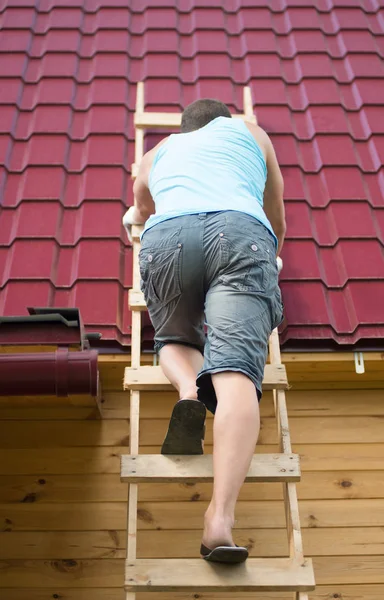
x,y
68,70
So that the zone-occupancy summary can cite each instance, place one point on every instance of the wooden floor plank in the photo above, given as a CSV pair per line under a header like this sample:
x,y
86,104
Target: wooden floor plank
x,y
175,516
327,592
107,544
111,377
91,460
107,487
158,405
321,373
313,513
56,434
43,574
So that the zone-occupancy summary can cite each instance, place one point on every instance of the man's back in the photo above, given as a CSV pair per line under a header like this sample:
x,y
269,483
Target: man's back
x,y
225,165
218,167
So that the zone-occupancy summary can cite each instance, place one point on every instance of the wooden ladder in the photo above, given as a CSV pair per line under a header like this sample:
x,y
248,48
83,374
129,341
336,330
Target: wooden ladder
x,y
294,573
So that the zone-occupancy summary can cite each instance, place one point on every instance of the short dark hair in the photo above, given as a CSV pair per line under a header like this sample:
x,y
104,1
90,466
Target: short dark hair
x,y
200,113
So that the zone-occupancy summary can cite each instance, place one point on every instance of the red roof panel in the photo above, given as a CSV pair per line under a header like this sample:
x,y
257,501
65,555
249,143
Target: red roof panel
x,y
68,70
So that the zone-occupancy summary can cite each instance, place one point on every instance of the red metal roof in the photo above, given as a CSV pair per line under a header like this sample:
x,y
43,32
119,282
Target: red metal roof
x,y
67,92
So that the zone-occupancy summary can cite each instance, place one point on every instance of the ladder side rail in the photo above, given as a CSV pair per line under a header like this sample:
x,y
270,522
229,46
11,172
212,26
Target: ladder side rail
x,y
249,115
134,421
289,489
134,409
139,133
281,412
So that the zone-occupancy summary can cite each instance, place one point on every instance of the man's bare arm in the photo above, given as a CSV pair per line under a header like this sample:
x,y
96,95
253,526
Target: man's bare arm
x,y
274,188
143,201
273,196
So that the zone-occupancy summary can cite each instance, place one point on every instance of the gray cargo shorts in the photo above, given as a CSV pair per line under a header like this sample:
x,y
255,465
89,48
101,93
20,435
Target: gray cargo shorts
x,y
216,270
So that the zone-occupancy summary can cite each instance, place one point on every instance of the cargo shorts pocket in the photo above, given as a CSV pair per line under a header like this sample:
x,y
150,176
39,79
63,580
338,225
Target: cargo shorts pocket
x,y
247,261
160,271
278,308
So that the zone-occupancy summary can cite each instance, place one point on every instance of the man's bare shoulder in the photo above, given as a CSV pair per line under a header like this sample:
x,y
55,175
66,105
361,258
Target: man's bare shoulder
x,y
260,136
147,160
151,153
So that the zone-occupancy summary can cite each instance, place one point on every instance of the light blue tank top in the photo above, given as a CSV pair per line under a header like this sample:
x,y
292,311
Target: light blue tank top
x,y
218,167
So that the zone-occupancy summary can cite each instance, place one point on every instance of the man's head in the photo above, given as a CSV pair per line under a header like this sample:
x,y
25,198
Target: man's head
x,y
201,112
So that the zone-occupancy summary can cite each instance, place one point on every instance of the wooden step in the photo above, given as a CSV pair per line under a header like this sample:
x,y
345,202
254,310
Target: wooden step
x,y
136,232
197,575
192,469
151,120
136,300
153,379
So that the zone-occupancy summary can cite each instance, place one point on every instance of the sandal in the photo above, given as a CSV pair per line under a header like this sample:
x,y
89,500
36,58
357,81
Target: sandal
x,y
230,555
186,428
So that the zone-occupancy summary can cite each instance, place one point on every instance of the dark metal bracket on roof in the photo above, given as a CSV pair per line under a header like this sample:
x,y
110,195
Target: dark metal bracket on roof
x,y
70,368
46,326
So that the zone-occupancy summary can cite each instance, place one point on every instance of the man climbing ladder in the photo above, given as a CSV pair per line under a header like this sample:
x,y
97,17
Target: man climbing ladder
x,y
211,200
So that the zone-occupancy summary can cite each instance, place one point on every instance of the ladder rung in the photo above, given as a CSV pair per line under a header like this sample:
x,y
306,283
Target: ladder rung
x,y
137,230
134,172
157,119
153,379
136,300
156,468
194,574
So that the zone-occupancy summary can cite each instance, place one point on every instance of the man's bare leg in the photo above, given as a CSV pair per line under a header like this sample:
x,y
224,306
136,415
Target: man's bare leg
x,y
235,432
181,364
